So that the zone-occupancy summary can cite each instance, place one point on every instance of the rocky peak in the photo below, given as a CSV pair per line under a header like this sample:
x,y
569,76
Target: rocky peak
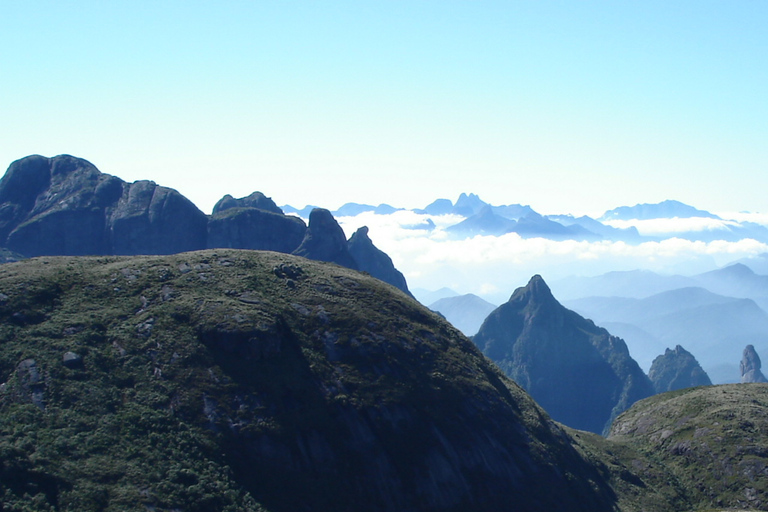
x,y
677,369
374,261
578,372
255,200
325,240
750,366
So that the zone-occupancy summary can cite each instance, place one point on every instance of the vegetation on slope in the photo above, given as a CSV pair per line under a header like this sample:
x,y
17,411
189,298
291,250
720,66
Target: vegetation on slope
x,y
240,380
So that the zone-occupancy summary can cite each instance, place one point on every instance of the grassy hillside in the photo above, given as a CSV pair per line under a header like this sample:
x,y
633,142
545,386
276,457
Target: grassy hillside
x,y
242,380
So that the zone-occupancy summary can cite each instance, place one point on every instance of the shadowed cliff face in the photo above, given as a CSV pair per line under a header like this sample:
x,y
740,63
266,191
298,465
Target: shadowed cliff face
x,y
374,261
65,206
577,371
212,380
325,240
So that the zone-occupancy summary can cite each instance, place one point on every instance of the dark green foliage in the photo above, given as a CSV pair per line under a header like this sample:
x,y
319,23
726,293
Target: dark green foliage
x,y
213,380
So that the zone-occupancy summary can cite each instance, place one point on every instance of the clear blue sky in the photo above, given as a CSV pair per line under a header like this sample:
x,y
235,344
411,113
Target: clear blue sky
x,y
575,106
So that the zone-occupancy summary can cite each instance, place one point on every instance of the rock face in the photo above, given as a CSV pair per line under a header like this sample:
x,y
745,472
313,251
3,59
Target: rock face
x,y
255,200
677,369
374,261
255,228
325,240
578,372
750,366
217,379
65,206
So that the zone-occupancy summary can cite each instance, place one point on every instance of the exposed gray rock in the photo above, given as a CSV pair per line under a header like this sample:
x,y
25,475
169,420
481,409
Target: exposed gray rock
x,y
255,200
254,228
72,360
374,261
677,369
325,240
750,366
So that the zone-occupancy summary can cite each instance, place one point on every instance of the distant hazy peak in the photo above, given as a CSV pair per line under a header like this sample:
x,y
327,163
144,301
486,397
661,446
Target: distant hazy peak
x,y
663,210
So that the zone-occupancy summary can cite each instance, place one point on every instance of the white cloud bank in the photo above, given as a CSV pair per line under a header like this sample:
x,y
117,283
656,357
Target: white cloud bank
x,y
492,267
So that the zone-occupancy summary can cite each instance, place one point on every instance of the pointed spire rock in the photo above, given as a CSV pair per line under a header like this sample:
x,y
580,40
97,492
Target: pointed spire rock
x,y
750,366
325,240
579,373
374,261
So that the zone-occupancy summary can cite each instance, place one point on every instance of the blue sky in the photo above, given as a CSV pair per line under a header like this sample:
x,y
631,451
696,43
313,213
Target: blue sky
x,y
567,106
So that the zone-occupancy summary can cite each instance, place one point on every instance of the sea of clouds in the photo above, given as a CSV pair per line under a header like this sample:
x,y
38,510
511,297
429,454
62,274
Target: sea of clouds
x,y
494,266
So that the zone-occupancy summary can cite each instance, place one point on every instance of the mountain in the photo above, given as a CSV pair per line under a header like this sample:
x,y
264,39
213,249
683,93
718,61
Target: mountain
x,y
663,210
534,225
465,312
468,205
65,206
229,380
371,259
353,209
637,284
483,223
710,325
255,200
750,366
629,234
709,441
677,369
254,228
325,240
427,297
437,207
578,372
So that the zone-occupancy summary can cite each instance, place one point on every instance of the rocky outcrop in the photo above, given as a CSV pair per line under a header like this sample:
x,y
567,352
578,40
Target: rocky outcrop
x,y
750,366
325,240
255,228
578,372
150,219
374,261
677,369
65,206
255,200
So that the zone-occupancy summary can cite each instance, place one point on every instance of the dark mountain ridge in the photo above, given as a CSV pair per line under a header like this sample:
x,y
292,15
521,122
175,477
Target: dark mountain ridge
x,y
65,206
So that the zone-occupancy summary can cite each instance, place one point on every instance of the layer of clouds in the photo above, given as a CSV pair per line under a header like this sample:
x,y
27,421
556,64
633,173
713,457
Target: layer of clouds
x,y
493,267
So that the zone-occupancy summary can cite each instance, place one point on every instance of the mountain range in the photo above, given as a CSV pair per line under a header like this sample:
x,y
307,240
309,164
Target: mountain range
x,y
281,366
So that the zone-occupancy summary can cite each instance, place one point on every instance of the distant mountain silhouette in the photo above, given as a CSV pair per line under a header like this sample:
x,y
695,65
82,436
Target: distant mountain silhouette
x,y
353,209
663,210
578,372
427,297
465,312
485,222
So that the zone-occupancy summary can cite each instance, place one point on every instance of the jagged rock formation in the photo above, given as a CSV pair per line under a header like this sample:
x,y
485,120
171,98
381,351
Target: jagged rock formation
x,y
255,200
578,372
325,240
254,222
677,369
214,380
750,366
65,206
374,261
